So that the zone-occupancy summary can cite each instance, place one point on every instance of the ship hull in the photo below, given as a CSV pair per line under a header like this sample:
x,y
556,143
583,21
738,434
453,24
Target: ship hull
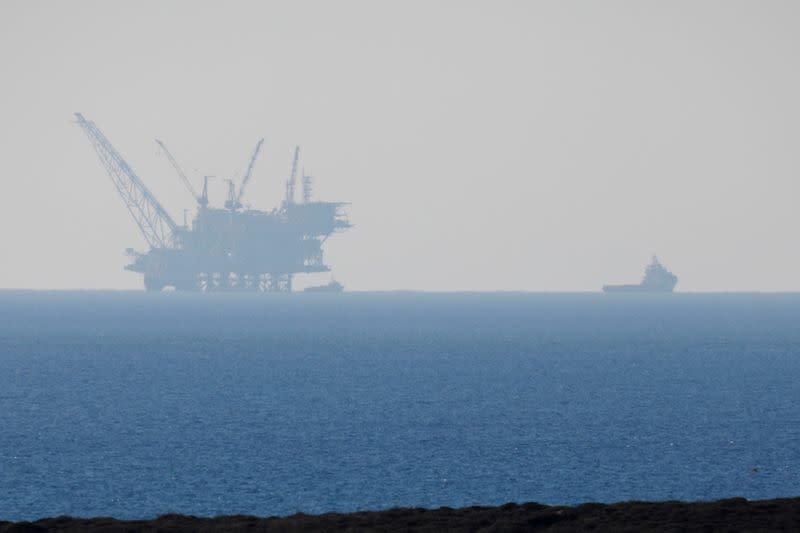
x,y
637,288
657,279
330,287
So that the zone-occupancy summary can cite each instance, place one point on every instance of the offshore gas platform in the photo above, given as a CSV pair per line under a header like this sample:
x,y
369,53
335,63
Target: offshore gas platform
x,y
229,248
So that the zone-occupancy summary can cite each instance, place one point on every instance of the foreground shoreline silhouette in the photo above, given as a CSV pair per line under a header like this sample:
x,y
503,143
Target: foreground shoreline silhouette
x,y
734,514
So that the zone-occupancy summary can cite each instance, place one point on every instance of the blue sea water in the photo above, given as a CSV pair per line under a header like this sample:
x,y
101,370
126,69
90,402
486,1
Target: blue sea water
x,y
134,404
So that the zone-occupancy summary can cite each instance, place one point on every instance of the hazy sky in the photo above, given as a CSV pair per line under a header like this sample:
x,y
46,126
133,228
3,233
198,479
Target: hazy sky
x,y
483,145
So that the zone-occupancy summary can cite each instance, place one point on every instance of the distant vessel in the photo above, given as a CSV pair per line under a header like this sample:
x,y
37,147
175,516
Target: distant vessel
x,y
333,286
656,279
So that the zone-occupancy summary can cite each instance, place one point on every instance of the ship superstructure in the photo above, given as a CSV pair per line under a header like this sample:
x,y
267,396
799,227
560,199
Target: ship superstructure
x,y
226,248
657,278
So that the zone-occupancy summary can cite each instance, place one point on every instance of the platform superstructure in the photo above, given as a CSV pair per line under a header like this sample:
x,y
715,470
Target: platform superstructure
x,y
228,248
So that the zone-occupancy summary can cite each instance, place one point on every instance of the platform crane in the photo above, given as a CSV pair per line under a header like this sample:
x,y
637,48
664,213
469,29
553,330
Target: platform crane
x,y
157,227
235,200
291,183
202,199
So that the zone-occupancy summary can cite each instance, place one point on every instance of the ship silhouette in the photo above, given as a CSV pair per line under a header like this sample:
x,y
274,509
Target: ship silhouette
x,y
333,286
656,279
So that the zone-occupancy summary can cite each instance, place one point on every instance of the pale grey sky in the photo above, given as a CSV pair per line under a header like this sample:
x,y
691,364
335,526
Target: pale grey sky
x,y
483,145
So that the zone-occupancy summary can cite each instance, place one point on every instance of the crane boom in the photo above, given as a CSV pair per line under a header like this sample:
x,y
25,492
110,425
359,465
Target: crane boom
x,y
249,172
291,183
153,220
202,200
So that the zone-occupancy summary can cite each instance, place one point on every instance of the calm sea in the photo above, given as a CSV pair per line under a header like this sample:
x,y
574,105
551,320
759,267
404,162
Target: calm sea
x,y
134,404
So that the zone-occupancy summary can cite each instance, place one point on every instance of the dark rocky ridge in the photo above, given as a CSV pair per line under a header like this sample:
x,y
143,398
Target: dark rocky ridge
x,y
735,514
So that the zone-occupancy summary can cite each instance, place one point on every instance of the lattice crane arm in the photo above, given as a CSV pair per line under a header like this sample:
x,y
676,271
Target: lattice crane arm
x,y
181,173
249,172
291,183
153,220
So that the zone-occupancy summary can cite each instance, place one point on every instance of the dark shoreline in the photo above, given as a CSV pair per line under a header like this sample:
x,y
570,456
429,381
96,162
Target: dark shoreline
x,y
735,514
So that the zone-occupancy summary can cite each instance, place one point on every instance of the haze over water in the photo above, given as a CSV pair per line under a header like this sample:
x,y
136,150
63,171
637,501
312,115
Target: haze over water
x,y
509,145
134,404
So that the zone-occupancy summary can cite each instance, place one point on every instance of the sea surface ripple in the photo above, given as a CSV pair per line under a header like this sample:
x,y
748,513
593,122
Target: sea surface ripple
x,y
133,404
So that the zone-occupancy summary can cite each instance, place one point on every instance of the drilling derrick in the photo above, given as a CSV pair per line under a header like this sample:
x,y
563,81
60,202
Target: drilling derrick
x,y
228,248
